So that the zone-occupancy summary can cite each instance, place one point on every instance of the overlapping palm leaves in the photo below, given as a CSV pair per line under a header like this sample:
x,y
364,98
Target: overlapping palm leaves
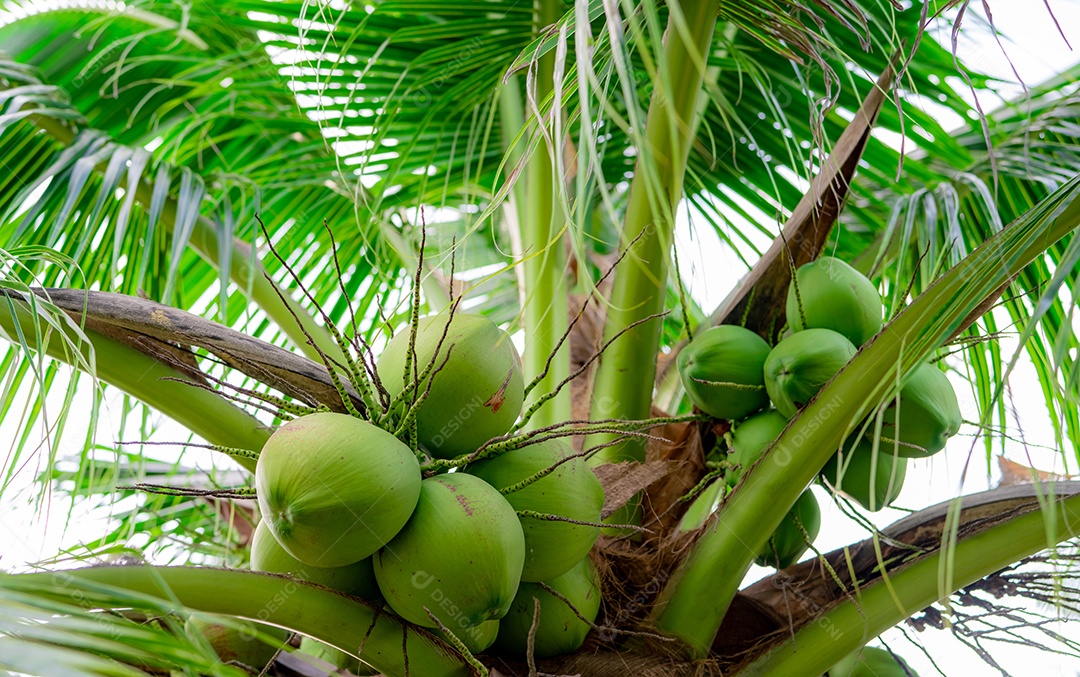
x,y
196,101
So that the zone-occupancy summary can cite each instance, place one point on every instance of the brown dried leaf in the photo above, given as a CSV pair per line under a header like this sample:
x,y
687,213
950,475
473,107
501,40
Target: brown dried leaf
x,y
1013,473
623,481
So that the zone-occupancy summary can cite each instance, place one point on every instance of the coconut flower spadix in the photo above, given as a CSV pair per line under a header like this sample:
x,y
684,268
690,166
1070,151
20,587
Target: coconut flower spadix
x,y
357,579
788,542
477,638
334,489
722,371
460,555
929,413
750,439
475,396
800,365
834,296
559,630
571,490
872,479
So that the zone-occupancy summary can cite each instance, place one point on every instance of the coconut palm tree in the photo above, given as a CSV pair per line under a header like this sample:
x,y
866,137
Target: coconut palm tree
x,y
224,210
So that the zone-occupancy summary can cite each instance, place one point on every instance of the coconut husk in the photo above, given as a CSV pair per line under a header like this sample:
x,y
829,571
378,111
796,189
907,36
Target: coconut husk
x,y
623,481
686,453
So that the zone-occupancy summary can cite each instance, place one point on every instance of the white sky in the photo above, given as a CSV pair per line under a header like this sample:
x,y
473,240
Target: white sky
x,y
1037,52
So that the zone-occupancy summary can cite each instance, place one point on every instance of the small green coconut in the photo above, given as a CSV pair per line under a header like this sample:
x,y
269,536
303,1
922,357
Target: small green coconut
x,y
333,489
341,661
722,371
788,543
238,641
702,507
460,555
571,490
860,464
929,413
476,639
870,661
475,396
750,439
799,366
559,630
357,579
834,296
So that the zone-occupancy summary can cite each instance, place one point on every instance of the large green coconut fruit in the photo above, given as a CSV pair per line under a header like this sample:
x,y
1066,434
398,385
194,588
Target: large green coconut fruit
x,y
460,555
476,639
871,661
750,439
357,579
334,489
475,396
559,630
722,371
872,479
929,413
788,543
571,491
834,296
238,641
800,365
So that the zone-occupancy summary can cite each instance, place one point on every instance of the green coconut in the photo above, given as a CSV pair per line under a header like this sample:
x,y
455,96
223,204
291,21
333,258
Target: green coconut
x,y
834,296
722,371
853,476
460,555
788,543
333,489
702,507
357,579
238,641
476,639
571,491
475,396
342,662
800,365
558,630
750,439
929,413
871,661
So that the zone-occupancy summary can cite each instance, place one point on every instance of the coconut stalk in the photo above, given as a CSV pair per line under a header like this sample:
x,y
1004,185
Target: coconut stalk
x,y
136,373
878,606
151,324
693,603
388,645
541,233
623,385
244,270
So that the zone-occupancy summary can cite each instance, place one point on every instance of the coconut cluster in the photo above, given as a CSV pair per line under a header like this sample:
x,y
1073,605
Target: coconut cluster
x,y
347,504
733,374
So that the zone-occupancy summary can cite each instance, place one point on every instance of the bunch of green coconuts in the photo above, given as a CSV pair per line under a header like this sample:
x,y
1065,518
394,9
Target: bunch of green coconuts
x,y
345,504
733,374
